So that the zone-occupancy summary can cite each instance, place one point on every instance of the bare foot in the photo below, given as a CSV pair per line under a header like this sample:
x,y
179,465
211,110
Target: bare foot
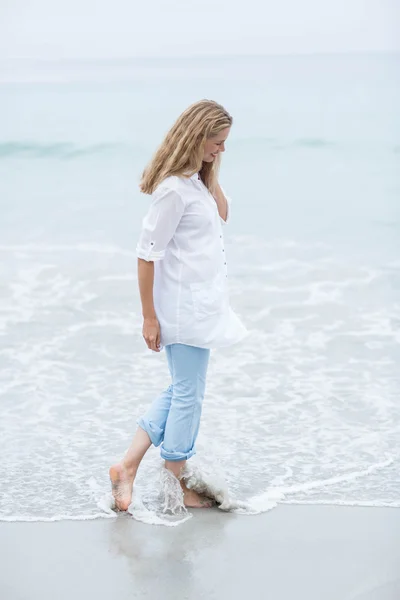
x,y
192,499
122,481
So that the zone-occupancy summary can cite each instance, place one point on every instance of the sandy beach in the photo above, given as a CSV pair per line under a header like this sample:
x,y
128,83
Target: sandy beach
x,y
290,553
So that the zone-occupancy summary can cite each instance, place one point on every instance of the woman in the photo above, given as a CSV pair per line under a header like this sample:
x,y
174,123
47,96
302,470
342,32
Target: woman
x,y
182,276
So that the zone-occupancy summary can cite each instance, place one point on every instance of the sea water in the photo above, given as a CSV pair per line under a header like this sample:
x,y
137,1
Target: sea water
x,y
306,409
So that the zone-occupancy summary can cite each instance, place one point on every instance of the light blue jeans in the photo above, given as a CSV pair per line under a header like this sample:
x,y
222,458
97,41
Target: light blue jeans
x,y
173,420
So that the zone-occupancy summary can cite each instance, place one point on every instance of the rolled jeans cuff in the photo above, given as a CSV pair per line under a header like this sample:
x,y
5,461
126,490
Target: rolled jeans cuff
x,y
155,434
176,456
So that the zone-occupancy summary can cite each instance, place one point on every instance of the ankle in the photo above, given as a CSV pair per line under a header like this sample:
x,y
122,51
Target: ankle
x,y
184,486
177,468
129,466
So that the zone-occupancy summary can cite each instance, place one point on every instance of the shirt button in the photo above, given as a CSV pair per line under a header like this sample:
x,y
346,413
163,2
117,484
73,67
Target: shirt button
x,y
223,250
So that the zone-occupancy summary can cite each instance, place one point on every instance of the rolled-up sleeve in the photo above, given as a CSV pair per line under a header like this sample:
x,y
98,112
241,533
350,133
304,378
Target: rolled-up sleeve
x,y
160,224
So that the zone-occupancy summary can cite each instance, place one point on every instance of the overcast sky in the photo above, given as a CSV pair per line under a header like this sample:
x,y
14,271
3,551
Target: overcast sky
x,y
127,28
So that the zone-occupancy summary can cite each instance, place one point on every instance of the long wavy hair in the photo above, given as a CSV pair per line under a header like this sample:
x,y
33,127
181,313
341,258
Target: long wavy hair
x,y
181,153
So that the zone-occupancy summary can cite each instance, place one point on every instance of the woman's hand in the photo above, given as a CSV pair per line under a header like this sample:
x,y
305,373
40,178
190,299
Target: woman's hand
x,y
152,334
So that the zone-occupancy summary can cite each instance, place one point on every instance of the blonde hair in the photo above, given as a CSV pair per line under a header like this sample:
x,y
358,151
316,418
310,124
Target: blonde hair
x,y
181,153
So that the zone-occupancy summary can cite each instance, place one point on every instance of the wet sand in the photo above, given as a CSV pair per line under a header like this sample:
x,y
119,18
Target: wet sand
x,y
289,553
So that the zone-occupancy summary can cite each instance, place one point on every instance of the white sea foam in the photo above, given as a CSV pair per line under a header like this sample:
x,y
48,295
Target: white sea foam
x,y
304,411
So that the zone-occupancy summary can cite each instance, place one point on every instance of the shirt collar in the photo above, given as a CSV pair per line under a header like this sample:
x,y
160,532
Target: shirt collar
x,y
194,177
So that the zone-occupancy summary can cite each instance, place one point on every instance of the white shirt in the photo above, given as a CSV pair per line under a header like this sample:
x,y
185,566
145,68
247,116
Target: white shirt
x,y
182,234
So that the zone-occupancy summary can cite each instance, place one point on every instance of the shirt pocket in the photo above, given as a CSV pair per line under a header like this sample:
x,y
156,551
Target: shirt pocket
x,y
209,298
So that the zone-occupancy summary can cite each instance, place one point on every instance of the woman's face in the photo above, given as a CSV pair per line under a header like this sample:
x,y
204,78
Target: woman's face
x,y
216,144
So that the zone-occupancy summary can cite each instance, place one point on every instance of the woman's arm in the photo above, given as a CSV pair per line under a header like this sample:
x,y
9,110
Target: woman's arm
x,y
222,202
151,326
159,226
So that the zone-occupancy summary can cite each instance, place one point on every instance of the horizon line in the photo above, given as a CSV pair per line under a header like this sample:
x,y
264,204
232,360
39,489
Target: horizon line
x,y
187,57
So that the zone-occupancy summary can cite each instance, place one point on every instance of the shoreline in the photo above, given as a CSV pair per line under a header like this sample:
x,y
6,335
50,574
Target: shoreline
x,y
104,515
